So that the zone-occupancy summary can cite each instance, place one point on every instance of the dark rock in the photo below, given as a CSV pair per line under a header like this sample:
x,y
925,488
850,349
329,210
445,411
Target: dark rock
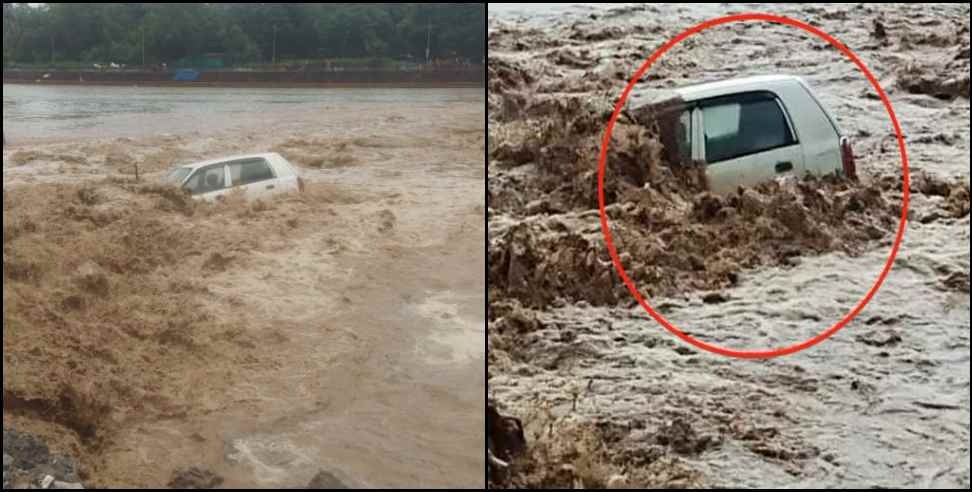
x,y
879,31
879,338
326,480
683,350
195,478
714,298
504,434
930,217
32,456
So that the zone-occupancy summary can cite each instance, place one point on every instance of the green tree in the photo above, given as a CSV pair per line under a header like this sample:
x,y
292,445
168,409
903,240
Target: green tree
x,y
244,32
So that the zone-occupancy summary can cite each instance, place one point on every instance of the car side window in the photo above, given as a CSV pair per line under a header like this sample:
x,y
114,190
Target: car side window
x,y
743,126
207,179
250,171
683,135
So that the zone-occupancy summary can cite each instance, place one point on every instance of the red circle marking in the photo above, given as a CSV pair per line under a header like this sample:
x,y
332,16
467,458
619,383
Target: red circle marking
x,y
751,354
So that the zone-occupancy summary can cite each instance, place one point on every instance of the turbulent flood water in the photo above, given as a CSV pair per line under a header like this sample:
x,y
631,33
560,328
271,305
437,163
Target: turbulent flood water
x,y
338,330
38,112
884,402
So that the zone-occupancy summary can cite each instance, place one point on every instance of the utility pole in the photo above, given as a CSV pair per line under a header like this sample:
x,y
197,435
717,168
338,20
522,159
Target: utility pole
x,y
344,47
143,46
428,45
274,44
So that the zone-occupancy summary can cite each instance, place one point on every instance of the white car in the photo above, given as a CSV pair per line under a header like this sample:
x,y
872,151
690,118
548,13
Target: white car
x,y
256,175
748,130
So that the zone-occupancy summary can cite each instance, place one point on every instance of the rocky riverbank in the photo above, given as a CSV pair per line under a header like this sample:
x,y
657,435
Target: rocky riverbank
x,y
29,464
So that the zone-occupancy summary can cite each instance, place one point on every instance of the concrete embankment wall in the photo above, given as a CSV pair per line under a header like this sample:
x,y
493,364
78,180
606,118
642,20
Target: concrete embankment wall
x,y
465,77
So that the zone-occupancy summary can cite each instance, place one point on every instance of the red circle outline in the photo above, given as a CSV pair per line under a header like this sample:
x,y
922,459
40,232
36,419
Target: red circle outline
x,y
751,354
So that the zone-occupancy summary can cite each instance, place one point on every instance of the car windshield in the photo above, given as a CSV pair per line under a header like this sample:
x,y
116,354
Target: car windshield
x,y
177,175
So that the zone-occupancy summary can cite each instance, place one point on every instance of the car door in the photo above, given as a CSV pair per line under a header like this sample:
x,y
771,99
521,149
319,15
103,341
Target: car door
x,y
209,182
255,177
747,139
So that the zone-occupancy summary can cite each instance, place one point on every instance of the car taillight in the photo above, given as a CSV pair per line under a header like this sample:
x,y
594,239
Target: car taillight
x,y
847,157
300,184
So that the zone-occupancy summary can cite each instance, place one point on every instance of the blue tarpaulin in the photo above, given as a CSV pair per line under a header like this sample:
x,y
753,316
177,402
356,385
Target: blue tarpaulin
x,y
186,75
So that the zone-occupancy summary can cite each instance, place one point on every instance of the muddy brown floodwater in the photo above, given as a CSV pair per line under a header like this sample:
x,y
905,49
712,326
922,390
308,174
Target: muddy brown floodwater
x,y
339,331
607,396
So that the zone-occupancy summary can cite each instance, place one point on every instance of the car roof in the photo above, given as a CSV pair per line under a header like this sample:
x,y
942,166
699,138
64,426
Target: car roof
x,y
731,86
270,156
688,93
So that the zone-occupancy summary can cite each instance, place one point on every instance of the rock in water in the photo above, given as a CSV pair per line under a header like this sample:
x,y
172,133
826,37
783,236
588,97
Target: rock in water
x,y
326,480
714,298
195,478
505,434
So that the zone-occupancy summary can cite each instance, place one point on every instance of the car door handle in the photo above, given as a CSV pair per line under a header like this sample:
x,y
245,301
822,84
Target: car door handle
x,y
782,167
270,187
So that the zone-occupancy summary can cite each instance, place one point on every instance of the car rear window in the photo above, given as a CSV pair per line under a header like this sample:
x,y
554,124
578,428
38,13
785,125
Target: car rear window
x,y
250,171
177,175
744,125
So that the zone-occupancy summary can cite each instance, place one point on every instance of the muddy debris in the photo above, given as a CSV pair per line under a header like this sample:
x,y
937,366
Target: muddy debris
x,y
218,262
956,281
92,278
565,454
24,157
505,76
941,82
663,240
570,59
386,221
682,438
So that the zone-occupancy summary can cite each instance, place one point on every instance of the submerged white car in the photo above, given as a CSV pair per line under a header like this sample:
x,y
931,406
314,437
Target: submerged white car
x,y
747,130
256,175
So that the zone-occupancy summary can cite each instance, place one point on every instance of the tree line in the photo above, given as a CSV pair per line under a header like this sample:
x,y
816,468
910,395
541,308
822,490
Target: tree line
x,y
242,33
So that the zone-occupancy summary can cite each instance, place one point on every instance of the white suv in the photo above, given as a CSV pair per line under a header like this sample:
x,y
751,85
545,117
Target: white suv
x,y
256,175
748,130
